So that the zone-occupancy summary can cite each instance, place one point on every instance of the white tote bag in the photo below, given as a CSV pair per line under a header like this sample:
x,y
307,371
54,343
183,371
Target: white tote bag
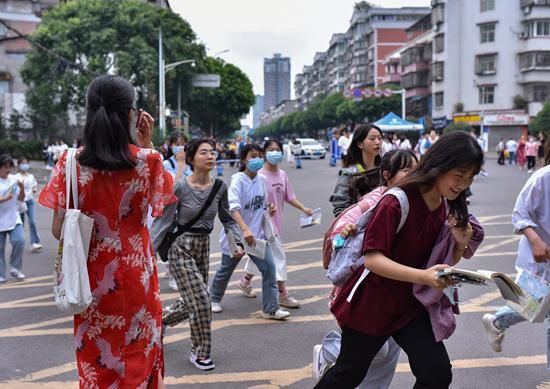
x,y
71,283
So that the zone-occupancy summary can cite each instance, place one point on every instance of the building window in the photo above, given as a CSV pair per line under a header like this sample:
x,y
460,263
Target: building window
x,y
541,92
415,80
439,43
486,94
486,64
486,5
438,99
487,32
534,60
438,71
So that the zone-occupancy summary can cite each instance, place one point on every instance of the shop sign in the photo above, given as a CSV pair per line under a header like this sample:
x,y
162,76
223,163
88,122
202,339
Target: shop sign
x,y
507,119
467,119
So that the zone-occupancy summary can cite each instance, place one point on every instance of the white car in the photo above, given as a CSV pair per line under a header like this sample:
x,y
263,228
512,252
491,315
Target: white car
x,y
312,148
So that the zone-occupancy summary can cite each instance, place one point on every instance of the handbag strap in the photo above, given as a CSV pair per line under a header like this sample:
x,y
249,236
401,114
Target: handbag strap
x,y
71,182
217,185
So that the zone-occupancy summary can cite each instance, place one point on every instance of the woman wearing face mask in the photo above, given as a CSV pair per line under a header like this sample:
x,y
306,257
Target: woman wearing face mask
x,y
175,157
30,184
175,164
248,205
279,191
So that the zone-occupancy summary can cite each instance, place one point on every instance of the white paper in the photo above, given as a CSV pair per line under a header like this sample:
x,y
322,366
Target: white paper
x,y
233,247
307,221
258,250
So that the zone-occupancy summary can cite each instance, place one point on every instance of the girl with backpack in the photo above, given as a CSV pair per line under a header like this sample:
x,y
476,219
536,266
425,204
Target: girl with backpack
x,y
248,204
383,304
188,256
279,191
394,166
361,174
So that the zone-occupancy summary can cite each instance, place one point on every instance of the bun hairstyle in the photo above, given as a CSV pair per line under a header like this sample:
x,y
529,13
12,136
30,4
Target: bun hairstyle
x,y
393,161
107,130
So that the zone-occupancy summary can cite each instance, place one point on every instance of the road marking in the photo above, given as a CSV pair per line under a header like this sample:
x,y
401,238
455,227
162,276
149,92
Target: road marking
x,y
484,219
279,378
501,254
488,247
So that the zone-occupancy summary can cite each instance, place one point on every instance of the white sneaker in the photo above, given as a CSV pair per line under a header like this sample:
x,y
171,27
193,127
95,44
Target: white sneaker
x,y
279,314
201,363
2,280
494,334
319,366
246,289
172,284
36,247
17,275
216,307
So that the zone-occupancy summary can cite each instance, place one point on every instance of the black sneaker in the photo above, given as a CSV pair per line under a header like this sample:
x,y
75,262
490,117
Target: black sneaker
x,y
201,363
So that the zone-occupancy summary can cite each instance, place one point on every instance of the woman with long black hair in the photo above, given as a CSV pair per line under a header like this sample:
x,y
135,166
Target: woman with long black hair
x,y
118,337
361,174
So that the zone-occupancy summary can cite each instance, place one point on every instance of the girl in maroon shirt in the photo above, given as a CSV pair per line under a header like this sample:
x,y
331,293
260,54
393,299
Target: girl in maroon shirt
x,y
384,305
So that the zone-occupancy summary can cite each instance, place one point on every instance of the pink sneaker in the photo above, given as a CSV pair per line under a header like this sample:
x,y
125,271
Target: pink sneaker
x,y
246,288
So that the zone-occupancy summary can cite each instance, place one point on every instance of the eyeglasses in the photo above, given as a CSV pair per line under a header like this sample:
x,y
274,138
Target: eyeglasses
x,y
211,153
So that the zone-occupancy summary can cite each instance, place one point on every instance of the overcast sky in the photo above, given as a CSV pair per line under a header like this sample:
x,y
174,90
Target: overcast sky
x,y
255,29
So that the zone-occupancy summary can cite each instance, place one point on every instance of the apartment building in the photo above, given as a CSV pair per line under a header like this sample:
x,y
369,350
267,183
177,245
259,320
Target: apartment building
x,y
276,80
488,56
23,16
356,58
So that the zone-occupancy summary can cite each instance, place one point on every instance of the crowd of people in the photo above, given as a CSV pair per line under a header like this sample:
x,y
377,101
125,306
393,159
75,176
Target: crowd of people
x,y
527,152
418,225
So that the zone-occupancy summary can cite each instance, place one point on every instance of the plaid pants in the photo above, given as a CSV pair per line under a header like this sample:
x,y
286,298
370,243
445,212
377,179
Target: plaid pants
x,y
188,260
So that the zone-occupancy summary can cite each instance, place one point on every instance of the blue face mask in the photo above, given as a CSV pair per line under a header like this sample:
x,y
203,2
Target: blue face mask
x,y
274,157
177,149
24,167
255,164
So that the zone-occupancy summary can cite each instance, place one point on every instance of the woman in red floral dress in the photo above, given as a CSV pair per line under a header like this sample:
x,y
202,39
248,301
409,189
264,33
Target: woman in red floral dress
x,y
118,338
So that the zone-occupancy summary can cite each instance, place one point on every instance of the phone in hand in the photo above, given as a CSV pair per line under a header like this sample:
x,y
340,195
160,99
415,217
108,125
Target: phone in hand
x,y
134,125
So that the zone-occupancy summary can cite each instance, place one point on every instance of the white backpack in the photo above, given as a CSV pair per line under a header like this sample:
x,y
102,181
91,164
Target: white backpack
x,y
347,259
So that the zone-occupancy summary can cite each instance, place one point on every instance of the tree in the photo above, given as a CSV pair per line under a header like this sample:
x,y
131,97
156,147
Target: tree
x,y
85,39
542,120
221,109
458,127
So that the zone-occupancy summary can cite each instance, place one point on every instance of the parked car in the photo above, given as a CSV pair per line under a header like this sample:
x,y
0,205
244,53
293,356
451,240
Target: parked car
x,y
312,148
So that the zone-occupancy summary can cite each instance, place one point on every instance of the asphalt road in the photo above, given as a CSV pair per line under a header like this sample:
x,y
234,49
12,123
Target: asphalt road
x,y
37,348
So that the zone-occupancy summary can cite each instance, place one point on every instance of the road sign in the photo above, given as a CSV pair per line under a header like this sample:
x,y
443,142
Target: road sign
x,y
207,81
387,92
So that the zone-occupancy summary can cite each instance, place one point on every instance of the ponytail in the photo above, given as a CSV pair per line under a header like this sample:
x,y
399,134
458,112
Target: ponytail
x,y
107,129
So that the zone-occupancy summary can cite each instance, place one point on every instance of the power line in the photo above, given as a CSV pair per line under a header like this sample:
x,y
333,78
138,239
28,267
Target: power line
x,y
45,49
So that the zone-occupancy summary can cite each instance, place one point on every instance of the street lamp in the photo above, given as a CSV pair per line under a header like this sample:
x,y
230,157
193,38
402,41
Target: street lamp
x,y
163,69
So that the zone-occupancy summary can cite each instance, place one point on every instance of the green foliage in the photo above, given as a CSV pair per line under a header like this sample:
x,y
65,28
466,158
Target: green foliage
x,y
542,120
17,149
331,111
98,37
222,108
458,127
458,107
520,102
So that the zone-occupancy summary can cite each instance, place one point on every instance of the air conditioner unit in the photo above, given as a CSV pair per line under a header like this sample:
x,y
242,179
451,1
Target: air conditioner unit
x,y
523,35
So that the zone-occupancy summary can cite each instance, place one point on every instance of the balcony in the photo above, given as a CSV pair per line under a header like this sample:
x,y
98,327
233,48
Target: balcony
x,y
528,3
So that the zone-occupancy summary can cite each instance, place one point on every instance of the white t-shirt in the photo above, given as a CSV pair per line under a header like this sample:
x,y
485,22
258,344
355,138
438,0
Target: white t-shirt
x,y
249,197
344,144
29,182
405,145
9,217
511,145
532,209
